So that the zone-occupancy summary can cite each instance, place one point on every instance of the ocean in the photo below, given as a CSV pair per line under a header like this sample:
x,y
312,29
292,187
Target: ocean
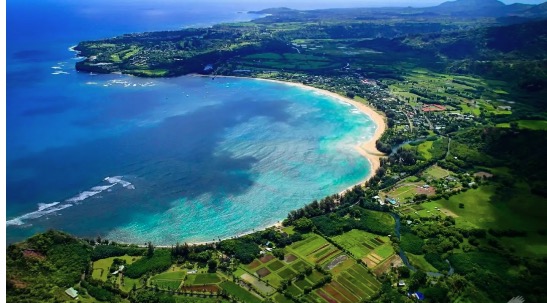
x,y
163,160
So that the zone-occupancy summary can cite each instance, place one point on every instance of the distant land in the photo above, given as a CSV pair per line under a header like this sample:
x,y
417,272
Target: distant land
x,y
454,212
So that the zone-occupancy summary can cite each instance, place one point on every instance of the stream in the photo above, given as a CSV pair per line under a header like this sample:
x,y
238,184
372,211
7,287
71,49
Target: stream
x,y
405,258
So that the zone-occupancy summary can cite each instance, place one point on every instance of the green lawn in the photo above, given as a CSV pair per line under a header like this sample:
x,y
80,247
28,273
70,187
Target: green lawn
x,y
436,172
424,150
488,207
419,261
128,284
102,266
466,109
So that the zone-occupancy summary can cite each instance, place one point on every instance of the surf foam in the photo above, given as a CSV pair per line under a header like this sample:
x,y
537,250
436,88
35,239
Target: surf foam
x,y
50,208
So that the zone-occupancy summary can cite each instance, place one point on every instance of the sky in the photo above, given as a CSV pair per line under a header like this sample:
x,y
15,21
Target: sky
x,y
308,4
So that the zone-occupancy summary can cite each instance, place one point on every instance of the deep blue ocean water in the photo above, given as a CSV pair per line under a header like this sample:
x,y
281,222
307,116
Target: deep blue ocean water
x,y
161,160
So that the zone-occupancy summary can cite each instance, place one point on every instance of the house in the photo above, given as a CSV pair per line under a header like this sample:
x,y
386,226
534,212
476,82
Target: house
x,y
418,295
120,269
391,201
71,292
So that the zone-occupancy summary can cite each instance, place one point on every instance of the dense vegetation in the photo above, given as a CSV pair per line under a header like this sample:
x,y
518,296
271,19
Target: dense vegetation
x,y
43,266
463,89
158,261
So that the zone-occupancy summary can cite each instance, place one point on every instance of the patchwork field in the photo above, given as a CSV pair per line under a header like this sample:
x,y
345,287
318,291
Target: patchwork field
x,y
171,279
314,249
239,292
262,287
370,248
353,284
350,282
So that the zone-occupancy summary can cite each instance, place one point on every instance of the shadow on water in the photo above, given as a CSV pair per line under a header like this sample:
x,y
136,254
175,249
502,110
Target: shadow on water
x,y
177,158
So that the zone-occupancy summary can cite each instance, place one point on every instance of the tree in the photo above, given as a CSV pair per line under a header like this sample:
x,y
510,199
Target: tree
x,y
418,278
303,225
150,251
212,266
404,272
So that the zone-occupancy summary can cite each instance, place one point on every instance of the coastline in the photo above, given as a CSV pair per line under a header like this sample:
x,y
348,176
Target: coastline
x,y
367,149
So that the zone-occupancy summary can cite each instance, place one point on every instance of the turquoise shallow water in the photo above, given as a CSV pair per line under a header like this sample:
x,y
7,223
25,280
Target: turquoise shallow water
x,y
162,160
187,159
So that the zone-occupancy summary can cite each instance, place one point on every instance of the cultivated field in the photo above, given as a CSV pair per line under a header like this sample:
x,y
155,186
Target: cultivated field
x,y
369,248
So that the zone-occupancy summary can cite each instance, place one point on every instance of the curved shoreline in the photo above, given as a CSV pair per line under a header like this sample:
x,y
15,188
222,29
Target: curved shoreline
x,y
367,149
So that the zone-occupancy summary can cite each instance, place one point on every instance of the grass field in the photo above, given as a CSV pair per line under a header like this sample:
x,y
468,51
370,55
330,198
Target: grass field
x,y
170,279
101,267
360,243
424,150
200,279
353,281
404,191
436,172
239,292
527,124
279,298
533,245
493,206
419,262
262,287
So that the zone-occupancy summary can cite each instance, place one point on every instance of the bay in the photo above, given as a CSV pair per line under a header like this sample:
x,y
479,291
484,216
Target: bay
x,y
161,160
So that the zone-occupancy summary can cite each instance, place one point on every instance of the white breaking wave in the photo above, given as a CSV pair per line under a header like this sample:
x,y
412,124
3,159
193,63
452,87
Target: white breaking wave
x,y
49,208
89,193
60,73
43,209
118,180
